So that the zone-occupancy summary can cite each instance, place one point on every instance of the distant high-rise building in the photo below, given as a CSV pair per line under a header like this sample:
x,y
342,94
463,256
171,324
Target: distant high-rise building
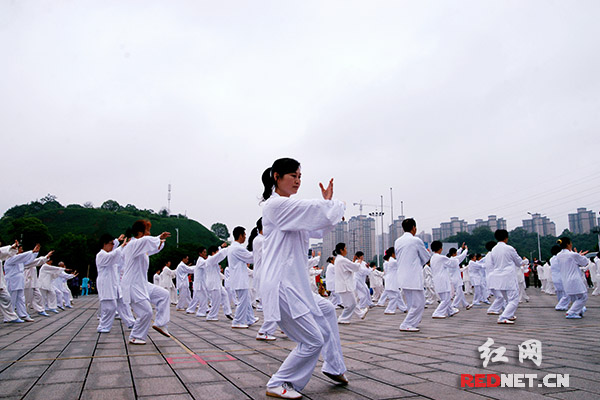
x,y
395,230
361,236
339,234
583,221
539,224
427,238
493,223
451,228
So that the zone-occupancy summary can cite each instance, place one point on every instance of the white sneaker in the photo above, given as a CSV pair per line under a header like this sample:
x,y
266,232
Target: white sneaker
x,y
285,391
409,329
265,336
364,314
454,312
137,341
28,319
344,322
239,326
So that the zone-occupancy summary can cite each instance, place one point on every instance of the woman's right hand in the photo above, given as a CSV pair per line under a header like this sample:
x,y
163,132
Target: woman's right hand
x,y
327,192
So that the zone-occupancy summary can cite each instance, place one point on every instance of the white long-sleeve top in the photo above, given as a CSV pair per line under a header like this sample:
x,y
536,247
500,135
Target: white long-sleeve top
x,y
166,278
440,269
475,272
238,258
344,274
390,268
213,271
135,283
48,273
555,271
199,274
257,255
14,270
570,273
31,272
593,266
60,283
330,277
182,272
454,266
108,281
376,278
360,276
411,255
288,224
5,253
505,259
466,273
156,279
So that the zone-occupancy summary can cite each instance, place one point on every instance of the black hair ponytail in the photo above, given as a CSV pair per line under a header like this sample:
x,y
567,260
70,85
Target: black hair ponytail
x,y
281,166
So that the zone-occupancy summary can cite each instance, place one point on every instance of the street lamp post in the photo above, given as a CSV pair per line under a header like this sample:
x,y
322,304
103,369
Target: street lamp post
x,y
376,214
538,237
177,230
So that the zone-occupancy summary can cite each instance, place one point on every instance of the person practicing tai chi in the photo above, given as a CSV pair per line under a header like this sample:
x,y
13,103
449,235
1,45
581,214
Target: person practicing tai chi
x,y
166,282
137,291
411,256
503,278
199,303
183,283
213,282
238,258
6,306
109,283
563,299
288,224
392,286
345,284
455,258
574,283
440,268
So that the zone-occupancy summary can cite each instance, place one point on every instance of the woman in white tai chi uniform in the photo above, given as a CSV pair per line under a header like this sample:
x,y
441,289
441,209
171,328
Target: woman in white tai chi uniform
x,y
345,285
575,287
440,269
137,291
288,224
392,286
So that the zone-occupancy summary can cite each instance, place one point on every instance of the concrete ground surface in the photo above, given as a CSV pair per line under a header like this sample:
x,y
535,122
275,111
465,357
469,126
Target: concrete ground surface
x,y
63,357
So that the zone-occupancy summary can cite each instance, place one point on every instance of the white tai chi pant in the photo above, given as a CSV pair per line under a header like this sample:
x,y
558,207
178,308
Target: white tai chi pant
x,y
396,302
349,302
6,306
459,296
478,296
377,292
415,301
444,309
335,298
243,312
172,294
522,293
299,365
512,303
579,301
49,299
225,301
17,298
268,327
215,304
333,359
199,300
66,296
498,304
468,287
108,310
363,294
563,299
383,298
143,310
184,297
33,299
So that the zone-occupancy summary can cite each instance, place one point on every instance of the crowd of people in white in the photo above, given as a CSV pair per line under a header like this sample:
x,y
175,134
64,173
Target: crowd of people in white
x,y
282,282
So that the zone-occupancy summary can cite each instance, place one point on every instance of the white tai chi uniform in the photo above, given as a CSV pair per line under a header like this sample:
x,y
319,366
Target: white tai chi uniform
x,y
14,270
376,280
199,303
574,286
109,289
520,274
595,276
550,289
466,278
345,286
503,279
411,256
330,285
563,299
63,293
183,285
430,295
455,279
362,290
48,273
6,306
476,275
33,296
214,286
392,288
166,282
440,268
238,259
288,225
140,293
156,279
268,327
385,295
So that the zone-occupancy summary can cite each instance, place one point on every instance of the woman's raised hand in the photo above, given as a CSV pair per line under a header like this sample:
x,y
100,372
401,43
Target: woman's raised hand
x,y
327,192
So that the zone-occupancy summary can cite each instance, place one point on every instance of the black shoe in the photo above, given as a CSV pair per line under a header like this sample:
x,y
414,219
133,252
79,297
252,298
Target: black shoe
x,y
229,316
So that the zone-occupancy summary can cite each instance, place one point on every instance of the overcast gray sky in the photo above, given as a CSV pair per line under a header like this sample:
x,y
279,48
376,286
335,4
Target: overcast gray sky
x,y
464,108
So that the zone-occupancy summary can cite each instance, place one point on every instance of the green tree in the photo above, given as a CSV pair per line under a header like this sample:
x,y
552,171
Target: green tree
x,y
110,205
30,231
74,250
220,230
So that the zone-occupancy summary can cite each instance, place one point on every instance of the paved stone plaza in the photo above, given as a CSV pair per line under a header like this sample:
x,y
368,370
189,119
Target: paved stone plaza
x,y
62,357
